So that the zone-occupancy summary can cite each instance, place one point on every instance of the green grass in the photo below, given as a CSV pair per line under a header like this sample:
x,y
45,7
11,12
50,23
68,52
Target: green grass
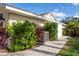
x,y
71,48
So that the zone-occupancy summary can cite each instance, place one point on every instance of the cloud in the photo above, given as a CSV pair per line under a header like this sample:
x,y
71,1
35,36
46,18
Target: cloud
x,y
75,4
59,14
58,18
56,10
76,15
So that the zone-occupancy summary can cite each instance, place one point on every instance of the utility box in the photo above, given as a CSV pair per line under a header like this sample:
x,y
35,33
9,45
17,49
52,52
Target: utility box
x,y
45,36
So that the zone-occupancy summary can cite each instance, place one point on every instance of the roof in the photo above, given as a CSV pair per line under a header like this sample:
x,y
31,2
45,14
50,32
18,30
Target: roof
x,y
44,13
49,13
20,9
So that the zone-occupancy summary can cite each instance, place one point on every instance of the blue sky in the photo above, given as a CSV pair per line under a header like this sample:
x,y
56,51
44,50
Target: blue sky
x,y
59,9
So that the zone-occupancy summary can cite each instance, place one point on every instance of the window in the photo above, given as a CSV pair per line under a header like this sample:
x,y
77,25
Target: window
x,y
1,16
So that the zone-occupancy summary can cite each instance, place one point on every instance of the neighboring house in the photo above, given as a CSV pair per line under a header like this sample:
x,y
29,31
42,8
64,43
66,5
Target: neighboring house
x,y
12,14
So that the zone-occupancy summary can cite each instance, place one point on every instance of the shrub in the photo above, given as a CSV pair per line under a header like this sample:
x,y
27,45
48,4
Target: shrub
x,y
52,28
3,37
75,43
71,48
39,33
68,52
23,35
72,28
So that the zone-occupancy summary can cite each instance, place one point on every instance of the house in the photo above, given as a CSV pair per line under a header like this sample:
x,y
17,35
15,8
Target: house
x,y
12,14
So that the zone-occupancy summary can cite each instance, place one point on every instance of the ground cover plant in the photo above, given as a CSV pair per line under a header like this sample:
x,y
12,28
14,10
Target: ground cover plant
x,y
71,48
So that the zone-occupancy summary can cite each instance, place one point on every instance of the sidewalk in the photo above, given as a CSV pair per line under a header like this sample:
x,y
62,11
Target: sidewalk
x,y
50,48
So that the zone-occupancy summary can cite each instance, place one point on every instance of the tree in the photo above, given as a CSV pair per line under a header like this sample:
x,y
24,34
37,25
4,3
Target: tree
x,y
73,26
67,20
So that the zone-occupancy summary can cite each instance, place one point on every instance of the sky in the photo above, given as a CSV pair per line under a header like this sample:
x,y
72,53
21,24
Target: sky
x,y
60,10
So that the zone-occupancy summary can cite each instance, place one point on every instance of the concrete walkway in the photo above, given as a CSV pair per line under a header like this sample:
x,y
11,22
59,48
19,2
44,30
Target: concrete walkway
x,y
50,48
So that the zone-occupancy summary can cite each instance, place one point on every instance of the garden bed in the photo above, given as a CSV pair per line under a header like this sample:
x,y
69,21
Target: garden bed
x,y
71,48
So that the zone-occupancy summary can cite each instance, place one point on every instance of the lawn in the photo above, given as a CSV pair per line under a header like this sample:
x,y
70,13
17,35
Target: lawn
x,y
71,48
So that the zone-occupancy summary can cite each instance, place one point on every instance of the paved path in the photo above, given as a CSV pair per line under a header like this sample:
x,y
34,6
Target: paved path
x,y
50,48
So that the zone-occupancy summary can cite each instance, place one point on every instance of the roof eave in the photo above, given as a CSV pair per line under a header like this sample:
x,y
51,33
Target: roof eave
x,y
25,13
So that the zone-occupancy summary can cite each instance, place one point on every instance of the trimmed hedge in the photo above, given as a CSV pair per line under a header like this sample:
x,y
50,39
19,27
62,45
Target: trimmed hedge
x,y
23,36
52,28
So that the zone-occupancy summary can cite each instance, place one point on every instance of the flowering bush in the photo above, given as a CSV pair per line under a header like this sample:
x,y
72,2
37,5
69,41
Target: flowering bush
x,y
3,37
39,33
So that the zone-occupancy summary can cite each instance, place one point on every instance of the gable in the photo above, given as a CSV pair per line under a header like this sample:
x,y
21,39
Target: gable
x,y
49,16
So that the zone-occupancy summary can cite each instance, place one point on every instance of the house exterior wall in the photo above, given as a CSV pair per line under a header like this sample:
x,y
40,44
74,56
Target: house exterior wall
x,y
15,17
49,16
60,30
5,14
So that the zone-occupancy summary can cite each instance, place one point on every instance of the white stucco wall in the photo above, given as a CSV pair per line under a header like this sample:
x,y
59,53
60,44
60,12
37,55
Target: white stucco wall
x,y
15,17
49,16
5,14
60,30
